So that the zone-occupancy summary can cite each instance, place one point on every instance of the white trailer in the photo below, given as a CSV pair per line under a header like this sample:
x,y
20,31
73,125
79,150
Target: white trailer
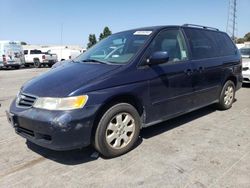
x,y
11,54
63,52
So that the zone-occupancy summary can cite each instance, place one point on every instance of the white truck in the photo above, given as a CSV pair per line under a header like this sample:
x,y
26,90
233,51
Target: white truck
x,y
38,58
11,54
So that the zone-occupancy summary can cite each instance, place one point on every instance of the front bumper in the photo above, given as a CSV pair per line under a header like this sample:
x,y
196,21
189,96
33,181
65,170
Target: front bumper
x,y
56,130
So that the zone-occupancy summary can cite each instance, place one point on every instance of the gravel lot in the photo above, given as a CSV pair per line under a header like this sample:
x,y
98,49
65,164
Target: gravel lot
x,y
206,148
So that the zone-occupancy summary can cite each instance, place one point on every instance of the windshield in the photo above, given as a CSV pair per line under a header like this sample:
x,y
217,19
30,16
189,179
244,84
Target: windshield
x,y
245,51
116,49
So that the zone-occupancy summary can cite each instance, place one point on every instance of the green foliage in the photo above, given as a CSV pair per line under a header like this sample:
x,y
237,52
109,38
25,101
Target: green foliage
x,y
23,43
240,40
106,32
247,36
92,41
92,38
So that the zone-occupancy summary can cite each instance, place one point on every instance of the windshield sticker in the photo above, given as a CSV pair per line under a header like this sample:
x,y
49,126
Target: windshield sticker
x,y
142,32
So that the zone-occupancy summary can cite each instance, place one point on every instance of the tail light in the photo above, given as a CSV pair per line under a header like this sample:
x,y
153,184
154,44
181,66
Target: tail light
x,y
4,59
70,57
43,57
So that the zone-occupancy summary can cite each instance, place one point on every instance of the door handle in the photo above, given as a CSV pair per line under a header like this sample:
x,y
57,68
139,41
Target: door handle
x,y
199,70
189,72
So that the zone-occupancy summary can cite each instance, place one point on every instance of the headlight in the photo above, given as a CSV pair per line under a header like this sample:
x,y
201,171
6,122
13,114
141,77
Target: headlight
x,y
68,103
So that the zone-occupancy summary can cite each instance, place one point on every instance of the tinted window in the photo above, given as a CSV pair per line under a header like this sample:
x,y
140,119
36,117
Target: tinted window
x,y
202,43
171,41
25,52
35,51
225,44
208,44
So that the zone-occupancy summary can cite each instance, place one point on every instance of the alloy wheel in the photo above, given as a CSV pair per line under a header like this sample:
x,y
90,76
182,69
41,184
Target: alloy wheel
x,y
120,130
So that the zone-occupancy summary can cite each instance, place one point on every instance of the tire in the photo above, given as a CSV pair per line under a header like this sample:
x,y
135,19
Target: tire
x,y
112,146
50,65
37,64
17,67
227,96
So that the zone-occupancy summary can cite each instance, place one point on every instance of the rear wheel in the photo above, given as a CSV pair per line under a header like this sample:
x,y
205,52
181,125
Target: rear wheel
x,y
227,96
37,63
118,130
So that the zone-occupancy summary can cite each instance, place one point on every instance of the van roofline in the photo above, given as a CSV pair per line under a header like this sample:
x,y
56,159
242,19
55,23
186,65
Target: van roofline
x,y
160,27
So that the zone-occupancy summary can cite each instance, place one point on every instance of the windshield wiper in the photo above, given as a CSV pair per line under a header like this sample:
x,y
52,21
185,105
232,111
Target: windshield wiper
x,y
95,61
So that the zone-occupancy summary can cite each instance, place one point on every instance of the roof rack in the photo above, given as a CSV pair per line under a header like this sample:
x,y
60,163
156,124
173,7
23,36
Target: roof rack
x,y
200,26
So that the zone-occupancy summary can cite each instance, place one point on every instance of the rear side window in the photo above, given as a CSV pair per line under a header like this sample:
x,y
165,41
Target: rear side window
x,y
25,52
202,43
209,44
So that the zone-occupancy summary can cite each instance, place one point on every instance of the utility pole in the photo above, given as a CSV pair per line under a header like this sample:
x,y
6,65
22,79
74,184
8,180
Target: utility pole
x,y
61,40
232,19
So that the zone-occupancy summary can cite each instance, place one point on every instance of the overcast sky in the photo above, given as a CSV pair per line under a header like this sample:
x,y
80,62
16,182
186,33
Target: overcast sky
x,y
41,21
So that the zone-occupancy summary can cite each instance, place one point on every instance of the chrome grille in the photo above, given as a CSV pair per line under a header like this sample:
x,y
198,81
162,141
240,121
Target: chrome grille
x,y
25,101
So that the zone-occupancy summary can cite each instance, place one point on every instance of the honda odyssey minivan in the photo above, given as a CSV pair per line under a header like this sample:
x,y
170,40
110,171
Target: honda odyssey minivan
x,y
128,81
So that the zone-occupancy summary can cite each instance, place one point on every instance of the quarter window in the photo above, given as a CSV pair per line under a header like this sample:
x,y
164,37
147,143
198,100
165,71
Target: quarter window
x,y
226,46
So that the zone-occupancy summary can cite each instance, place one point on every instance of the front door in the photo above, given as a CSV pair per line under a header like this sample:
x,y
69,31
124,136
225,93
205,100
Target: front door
x,y
170,84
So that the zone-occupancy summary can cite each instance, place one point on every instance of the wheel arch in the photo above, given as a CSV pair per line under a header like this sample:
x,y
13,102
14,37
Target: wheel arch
x,y
232,78
121,98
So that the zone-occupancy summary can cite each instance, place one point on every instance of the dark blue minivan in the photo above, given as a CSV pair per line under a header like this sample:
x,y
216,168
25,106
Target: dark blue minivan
x,y
128,81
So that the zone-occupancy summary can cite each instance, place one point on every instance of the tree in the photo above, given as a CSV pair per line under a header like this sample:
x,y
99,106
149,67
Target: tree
x,y
23,43
92,41
247,36
106,32
240,40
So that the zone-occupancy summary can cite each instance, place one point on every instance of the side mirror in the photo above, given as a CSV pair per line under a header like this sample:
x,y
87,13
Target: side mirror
x,y
158,58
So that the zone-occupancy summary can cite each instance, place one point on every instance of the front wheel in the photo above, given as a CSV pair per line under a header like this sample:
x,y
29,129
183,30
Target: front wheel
x,y
118,130
227,96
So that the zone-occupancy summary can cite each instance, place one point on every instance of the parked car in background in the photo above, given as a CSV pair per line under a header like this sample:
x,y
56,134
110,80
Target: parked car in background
x,y
11,54
154,74
245,53
38,58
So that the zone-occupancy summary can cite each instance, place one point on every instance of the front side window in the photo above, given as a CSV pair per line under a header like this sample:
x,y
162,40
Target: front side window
x,y
116,49
172,42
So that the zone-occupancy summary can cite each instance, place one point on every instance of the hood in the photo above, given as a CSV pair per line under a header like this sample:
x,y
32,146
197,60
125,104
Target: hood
x,y
61,63
63,80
